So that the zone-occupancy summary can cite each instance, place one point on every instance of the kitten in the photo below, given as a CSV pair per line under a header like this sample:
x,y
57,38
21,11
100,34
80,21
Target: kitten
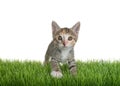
x,y
61,49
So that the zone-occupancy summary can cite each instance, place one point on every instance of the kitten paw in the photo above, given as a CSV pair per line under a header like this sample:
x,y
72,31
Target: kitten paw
x,y
56,74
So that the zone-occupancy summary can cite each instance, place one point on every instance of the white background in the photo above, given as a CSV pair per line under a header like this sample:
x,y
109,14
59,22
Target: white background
x,y
25,27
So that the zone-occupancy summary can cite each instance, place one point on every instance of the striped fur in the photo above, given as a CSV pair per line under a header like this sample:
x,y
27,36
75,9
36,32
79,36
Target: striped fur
x,y
61,49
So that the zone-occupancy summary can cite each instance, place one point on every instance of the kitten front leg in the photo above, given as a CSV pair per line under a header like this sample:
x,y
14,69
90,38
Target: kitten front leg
x,y
72,66
56,72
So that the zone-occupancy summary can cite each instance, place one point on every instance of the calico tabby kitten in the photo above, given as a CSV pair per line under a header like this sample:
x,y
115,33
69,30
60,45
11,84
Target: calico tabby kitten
x,y
61,49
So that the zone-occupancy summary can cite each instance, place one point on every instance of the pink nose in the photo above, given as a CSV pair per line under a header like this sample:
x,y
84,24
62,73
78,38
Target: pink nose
x,y
64,43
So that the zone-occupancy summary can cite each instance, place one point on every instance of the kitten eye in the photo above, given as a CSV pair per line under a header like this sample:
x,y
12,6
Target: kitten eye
x,y
59,38
70,38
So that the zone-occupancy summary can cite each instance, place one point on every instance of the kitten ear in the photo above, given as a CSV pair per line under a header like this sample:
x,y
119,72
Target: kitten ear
x,y
76,28
55,27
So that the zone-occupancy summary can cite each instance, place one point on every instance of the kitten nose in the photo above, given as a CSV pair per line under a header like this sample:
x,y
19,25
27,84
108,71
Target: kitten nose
x,y
64,43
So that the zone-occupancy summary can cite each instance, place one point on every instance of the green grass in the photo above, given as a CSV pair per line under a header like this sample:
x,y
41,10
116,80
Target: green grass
x,y
28,73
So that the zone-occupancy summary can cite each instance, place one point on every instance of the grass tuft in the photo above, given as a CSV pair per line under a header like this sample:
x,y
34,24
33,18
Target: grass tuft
x,y
90,73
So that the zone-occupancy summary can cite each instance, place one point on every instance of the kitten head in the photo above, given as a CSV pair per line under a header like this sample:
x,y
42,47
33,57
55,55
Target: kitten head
x,y
65,37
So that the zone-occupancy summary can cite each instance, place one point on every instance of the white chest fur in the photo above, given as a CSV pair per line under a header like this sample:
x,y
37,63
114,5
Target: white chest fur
x,y
64,54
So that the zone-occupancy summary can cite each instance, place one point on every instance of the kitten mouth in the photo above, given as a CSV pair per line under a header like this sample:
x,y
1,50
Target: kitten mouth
x,y
65,46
